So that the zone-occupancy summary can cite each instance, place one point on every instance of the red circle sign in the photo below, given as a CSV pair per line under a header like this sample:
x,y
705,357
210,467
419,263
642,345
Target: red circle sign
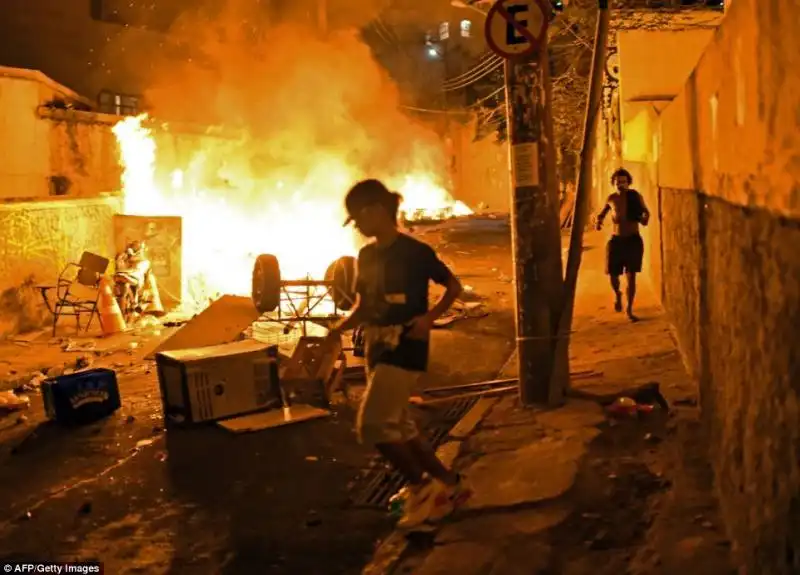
x,y
515,28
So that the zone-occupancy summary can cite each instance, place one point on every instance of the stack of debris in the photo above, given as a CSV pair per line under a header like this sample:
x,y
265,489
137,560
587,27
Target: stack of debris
x,y
217,368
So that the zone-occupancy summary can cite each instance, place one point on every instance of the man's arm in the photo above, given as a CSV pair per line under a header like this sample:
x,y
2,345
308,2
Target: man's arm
x,y
356,316
645,211
352,321
603,213
452,289
439,273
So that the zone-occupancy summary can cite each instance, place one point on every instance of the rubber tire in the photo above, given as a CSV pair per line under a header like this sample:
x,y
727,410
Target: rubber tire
x,y
342,273
266,291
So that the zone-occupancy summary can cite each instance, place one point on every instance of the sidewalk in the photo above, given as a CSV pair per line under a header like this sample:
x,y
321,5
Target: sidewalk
x,y
569,491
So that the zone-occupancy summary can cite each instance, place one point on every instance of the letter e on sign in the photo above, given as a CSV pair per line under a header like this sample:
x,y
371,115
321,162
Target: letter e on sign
x,y
516,27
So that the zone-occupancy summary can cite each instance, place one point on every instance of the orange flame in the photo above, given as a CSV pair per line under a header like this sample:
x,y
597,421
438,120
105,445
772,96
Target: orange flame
x,y
224,228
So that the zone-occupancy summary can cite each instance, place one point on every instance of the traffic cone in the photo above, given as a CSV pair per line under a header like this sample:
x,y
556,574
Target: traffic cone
x,y
111,319
154,306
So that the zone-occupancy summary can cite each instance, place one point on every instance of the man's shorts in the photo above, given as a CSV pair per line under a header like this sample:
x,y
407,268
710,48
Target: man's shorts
x,y
624,254
384,415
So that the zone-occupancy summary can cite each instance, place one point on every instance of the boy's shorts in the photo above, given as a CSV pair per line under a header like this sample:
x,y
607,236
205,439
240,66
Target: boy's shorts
x,y
384,415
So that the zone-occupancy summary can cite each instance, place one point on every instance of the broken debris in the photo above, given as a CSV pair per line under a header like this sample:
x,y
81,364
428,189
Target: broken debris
x,y
10,402
72,345
273,418
462,310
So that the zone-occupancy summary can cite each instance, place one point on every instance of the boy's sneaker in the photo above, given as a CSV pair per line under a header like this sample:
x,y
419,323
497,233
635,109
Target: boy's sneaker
x,y
418,503
448,499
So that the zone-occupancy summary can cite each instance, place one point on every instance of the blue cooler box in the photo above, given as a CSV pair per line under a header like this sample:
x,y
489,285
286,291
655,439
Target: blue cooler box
x,y
81,397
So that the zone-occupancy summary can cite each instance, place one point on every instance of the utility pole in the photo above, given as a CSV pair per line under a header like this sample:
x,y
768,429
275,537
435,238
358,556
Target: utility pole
x,y
517,31
593,104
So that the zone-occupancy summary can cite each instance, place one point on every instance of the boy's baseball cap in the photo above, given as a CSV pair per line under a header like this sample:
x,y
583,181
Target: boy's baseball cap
x,y
365,193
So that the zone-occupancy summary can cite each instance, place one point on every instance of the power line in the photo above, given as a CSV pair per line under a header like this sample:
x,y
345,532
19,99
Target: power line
x,y
492,95
470,74
481,65
473,79
432,111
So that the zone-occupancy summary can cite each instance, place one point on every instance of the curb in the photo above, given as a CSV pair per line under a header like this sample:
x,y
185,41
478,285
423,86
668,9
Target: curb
x,y
387,555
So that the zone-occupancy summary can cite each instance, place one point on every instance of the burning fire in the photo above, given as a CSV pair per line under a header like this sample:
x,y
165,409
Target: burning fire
x,y
225,227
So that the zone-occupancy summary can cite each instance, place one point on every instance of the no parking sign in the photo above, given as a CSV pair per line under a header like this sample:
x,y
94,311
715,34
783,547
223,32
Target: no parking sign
x,y
516,28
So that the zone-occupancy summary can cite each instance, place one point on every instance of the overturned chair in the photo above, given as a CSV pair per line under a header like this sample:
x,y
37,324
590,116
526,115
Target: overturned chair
x,y
77,290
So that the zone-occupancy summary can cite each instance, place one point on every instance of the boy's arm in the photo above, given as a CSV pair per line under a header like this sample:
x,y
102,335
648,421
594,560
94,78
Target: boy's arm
x,y
439,273
356,316
352,321
452,289
645,211
603,213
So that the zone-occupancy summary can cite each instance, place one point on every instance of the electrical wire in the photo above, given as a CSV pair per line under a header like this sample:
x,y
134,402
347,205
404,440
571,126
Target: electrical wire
x,y
432,111
380,34
486,60
477,103
485,57
389,32
474,79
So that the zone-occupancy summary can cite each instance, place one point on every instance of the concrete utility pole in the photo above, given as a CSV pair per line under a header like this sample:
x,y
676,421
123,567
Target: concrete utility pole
x,y
517,31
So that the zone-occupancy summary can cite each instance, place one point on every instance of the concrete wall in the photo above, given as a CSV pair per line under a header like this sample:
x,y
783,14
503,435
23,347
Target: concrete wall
x,y
643,95
673,53
727,191
481,174
73,145
38,239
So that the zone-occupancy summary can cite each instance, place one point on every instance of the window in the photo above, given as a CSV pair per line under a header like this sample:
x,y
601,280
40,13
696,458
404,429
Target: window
x,y
101,11
118,104
444,31
152,16
466,28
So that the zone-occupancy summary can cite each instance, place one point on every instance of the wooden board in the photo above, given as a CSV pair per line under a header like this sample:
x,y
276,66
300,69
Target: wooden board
x,y
273,418
163,236
221,322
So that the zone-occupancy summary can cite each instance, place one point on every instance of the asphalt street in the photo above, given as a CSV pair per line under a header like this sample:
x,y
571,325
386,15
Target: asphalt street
x,y
204,500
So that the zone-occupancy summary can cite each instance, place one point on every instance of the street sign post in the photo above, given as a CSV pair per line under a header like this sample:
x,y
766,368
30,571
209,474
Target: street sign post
x,y
517,31
516,28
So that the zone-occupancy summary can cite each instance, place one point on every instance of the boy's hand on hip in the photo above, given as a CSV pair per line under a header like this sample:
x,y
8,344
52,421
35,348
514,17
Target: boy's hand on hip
x,y
420,327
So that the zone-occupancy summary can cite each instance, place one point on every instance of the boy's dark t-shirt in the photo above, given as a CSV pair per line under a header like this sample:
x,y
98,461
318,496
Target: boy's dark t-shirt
x,y
393,283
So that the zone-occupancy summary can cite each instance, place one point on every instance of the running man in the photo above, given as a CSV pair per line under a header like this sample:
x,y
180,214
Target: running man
x,y
394,272
625,249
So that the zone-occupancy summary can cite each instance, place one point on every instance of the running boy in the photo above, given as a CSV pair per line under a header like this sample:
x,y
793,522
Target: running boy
x,y
394,272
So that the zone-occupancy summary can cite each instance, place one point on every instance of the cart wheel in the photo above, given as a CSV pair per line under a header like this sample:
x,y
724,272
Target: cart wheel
x,y
266,283
342,273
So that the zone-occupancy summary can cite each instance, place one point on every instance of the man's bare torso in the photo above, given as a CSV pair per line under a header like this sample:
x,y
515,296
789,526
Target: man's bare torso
x,y
622,225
